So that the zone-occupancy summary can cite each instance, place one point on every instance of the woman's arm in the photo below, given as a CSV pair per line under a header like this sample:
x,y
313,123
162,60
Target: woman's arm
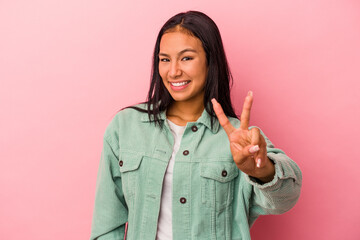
x,y
256,156
110,211
282,192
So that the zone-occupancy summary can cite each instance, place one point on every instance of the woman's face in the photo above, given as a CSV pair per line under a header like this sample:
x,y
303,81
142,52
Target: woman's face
x,y
182,66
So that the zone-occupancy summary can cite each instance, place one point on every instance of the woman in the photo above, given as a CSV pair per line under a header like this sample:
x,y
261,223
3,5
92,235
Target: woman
x,y
170,170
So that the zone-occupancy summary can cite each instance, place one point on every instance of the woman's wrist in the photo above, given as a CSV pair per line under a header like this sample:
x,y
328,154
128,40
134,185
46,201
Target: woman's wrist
x,y
269,169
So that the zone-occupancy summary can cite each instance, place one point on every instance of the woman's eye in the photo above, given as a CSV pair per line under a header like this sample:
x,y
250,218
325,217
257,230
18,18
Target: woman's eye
x,y
187,58
164,60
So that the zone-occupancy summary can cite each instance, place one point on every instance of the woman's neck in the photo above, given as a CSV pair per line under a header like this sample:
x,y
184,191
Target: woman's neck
x,y
181,113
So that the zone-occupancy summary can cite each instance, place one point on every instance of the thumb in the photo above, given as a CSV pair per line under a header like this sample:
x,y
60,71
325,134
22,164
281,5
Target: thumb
x,y
246,151
240,153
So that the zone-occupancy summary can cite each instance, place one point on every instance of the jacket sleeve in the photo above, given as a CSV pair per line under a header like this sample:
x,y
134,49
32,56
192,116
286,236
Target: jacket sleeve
x,y
280,194
110,211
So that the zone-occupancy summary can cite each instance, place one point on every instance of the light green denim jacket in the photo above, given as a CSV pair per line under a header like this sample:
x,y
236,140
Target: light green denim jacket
x,y
212,198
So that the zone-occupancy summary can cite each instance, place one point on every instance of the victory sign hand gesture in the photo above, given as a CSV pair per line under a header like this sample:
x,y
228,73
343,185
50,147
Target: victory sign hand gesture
x,y
248,146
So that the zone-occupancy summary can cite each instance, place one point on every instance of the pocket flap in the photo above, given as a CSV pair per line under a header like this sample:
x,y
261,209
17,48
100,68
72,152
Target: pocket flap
x,y
129,161
219,171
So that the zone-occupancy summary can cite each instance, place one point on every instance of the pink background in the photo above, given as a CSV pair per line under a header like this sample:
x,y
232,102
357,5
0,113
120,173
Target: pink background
x,y
66,67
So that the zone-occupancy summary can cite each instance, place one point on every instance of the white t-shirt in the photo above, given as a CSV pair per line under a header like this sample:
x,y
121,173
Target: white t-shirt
x,y
164,230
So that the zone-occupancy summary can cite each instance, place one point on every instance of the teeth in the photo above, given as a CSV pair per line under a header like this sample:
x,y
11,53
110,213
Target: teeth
x,y
179,84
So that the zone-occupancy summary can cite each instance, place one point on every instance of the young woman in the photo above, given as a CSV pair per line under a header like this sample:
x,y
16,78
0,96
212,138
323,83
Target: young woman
x,y
181,165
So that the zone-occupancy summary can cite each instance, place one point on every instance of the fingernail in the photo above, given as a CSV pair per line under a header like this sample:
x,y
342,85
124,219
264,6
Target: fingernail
x,y
213,100
258,162
250,93
254,149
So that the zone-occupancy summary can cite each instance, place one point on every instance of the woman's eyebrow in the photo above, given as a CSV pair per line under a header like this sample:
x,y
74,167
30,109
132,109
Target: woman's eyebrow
x,y
187,50
181,52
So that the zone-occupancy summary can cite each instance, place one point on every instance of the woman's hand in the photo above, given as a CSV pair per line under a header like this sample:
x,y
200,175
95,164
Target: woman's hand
x,y
248,147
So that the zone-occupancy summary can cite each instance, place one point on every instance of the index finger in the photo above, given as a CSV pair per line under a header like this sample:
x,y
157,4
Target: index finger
x,y
223,120
245,114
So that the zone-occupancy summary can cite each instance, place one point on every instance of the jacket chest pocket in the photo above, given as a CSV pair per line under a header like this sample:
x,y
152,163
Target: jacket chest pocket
x,y
217,184
129,164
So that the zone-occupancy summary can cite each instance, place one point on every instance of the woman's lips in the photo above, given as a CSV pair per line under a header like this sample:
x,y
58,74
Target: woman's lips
x,y
177,86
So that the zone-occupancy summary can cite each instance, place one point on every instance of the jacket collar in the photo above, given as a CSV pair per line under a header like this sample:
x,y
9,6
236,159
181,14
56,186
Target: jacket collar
x,y
205,119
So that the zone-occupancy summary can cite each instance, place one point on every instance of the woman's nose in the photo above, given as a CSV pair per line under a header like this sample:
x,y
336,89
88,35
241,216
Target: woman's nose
x,y
175,70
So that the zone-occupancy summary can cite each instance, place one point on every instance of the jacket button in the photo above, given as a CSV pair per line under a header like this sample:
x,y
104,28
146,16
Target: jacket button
x,y
183,200
186,152
194,128
224,173
121,163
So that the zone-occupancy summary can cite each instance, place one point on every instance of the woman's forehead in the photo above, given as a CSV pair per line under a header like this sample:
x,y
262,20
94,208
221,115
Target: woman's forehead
x,y
178,41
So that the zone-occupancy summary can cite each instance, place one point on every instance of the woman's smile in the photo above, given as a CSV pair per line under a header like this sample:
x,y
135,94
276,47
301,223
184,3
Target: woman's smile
x,y
179,85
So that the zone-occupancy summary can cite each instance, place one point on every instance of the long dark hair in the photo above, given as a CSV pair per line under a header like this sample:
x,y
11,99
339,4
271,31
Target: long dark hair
x,y
219,78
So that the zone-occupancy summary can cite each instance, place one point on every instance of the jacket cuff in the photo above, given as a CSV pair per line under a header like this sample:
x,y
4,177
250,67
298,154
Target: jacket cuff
x,y
116,234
